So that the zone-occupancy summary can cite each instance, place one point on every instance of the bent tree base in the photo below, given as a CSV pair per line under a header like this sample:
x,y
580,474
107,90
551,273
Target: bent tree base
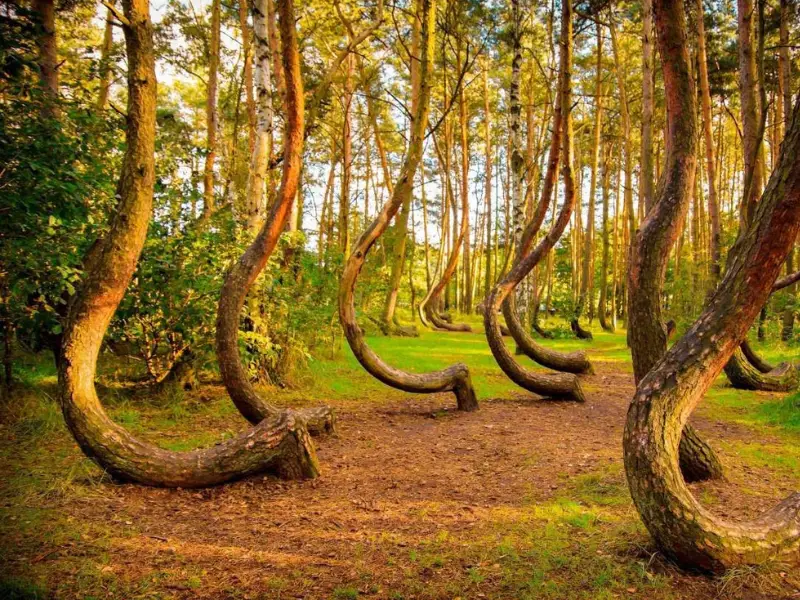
x,y
744,375
572,362
667,395
281,445
455,379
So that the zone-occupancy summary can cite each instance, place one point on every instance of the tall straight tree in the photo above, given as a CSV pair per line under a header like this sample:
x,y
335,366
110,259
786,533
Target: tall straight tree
x,y
212,112
648,105
708,140
751,109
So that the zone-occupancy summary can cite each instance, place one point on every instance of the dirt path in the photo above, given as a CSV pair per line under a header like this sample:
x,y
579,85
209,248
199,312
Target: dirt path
x,y
416,501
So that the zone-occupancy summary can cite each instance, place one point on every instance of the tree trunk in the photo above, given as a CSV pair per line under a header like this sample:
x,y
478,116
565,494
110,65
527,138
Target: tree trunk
x,y
647,335
588,250
646,191
626,134
261,152
751,111
560,385
455,378
602,306
463,125
243,273
347,159
283,443
250,102
105,62
47,45
682,528
785,84
212,113
711,173
744,375
487,139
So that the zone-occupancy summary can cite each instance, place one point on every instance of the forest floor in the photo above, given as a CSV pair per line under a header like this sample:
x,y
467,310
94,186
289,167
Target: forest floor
x,y
521,499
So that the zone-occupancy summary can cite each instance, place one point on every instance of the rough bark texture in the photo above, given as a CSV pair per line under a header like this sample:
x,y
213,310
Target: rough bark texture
x,y
282,444
255,204
682,528
647,335
455,378
244,272
754,359
560,385
746,375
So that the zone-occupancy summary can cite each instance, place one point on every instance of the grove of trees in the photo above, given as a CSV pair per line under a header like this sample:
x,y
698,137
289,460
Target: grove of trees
x,y
227,190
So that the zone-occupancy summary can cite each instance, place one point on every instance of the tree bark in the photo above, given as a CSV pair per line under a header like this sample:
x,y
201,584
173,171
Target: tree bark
x,y
212,113
47,45
250,102
105,62
746,375
646,191
647,335
455,378
559,385
711,172
243,273
751,111
261,151
282,444
685,530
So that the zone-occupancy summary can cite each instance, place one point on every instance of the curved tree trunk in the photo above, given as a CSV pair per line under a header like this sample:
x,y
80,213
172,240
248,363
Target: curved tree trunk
x,y
602,304
281,444
680,525
428,304
744,375
574,362
647,334
244,272
456,378
560,385
754,359
587,286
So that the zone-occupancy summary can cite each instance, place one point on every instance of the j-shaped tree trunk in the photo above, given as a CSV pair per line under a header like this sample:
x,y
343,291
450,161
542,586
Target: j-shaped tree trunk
x,y
647,334
574,362
559,385
241,276
746,375
282,443
602,305
428,307
683,528
456,378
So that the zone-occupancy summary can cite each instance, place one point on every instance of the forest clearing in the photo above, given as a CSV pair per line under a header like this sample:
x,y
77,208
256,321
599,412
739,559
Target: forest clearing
x,y
399,299
521,499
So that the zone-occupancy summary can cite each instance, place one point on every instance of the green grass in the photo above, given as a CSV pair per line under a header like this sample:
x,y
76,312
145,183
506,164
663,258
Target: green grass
x,y
584,542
